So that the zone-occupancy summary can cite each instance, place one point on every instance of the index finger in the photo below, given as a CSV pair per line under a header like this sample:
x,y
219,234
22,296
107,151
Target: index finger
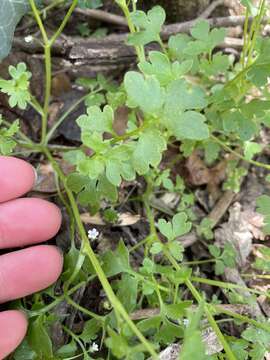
x,y
17,177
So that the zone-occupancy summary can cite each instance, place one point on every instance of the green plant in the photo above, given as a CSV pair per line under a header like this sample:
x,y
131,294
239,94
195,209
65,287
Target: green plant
x,y
165,108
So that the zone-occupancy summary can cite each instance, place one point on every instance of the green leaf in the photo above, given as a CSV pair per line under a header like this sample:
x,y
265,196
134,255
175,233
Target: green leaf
x,y
193,347
219,267
259,70
191,125
218,64
117,344
181,96
255,335
7,143
149,324
148,151
156,248
117,261
11,12
24,351
149,26
251,149
253,10
89,4
144,93
39,339
263,262
18,88
263,204
201,30
90,330
166,229
177,44
214,250
159,66
176,249
127,292
67,350
176,311
97,120
181,225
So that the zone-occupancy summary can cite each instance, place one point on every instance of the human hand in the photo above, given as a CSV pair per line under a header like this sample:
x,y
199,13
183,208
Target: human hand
x,y
23,221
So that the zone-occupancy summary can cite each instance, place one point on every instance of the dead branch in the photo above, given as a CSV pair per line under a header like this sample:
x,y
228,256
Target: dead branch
x,y
102,16
113,48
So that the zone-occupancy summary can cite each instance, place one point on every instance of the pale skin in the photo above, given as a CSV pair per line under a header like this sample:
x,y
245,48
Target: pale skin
x,y
24,222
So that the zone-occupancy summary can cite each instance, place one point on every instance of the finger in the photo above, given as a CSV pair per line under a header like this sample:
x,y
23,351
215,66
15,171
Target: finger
x,y
13,326
29,270
26,221
17,178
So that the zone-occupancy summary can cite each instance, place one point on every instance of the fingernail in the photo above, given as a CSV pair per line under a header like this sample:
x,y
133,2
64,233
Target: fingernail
x,y
36,175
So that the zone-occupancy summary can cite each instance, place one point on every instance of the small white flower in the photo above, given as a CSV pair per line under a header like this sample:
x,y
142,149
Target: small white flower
x,y
94,347
93,234
28,39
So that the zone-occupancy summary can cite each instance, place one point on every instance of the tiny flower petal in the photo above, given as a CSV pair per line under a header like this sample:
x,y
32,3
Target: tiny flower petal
x,y
93,234
94,347
28,39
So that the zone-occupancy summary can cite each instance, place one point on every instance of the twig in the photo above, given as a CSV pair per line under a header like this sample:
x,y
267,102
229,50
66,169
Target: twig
x,y
112,48
208,11
102,16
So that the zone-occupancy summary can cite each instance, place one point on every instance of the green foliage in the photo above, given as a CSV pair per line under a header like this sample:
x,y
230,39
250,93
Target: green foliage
x,y
149,26
223,259
11,13
89,4
263,203
18,87
182,98
7,142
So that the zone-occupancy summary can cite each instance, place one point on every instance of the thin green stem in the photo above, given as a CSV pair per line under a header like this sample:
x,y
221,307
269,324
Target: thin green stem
x,y
83,310
132,29
243,318
244,51
188,283
257,23
225,285
59,299
199,262
35,105
39,21
226,147
64,116
207,311
211,320
64,22
118,307
48,86
77,339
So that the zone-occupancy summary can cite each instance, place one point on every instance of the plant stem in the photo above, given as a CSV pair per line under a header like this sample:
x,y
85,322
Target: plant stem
x,y
64,116
207,311
39,21
48,85
187,282
257,23
226,147
64,22
118,307
243,318
226,285
83,310
132,29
